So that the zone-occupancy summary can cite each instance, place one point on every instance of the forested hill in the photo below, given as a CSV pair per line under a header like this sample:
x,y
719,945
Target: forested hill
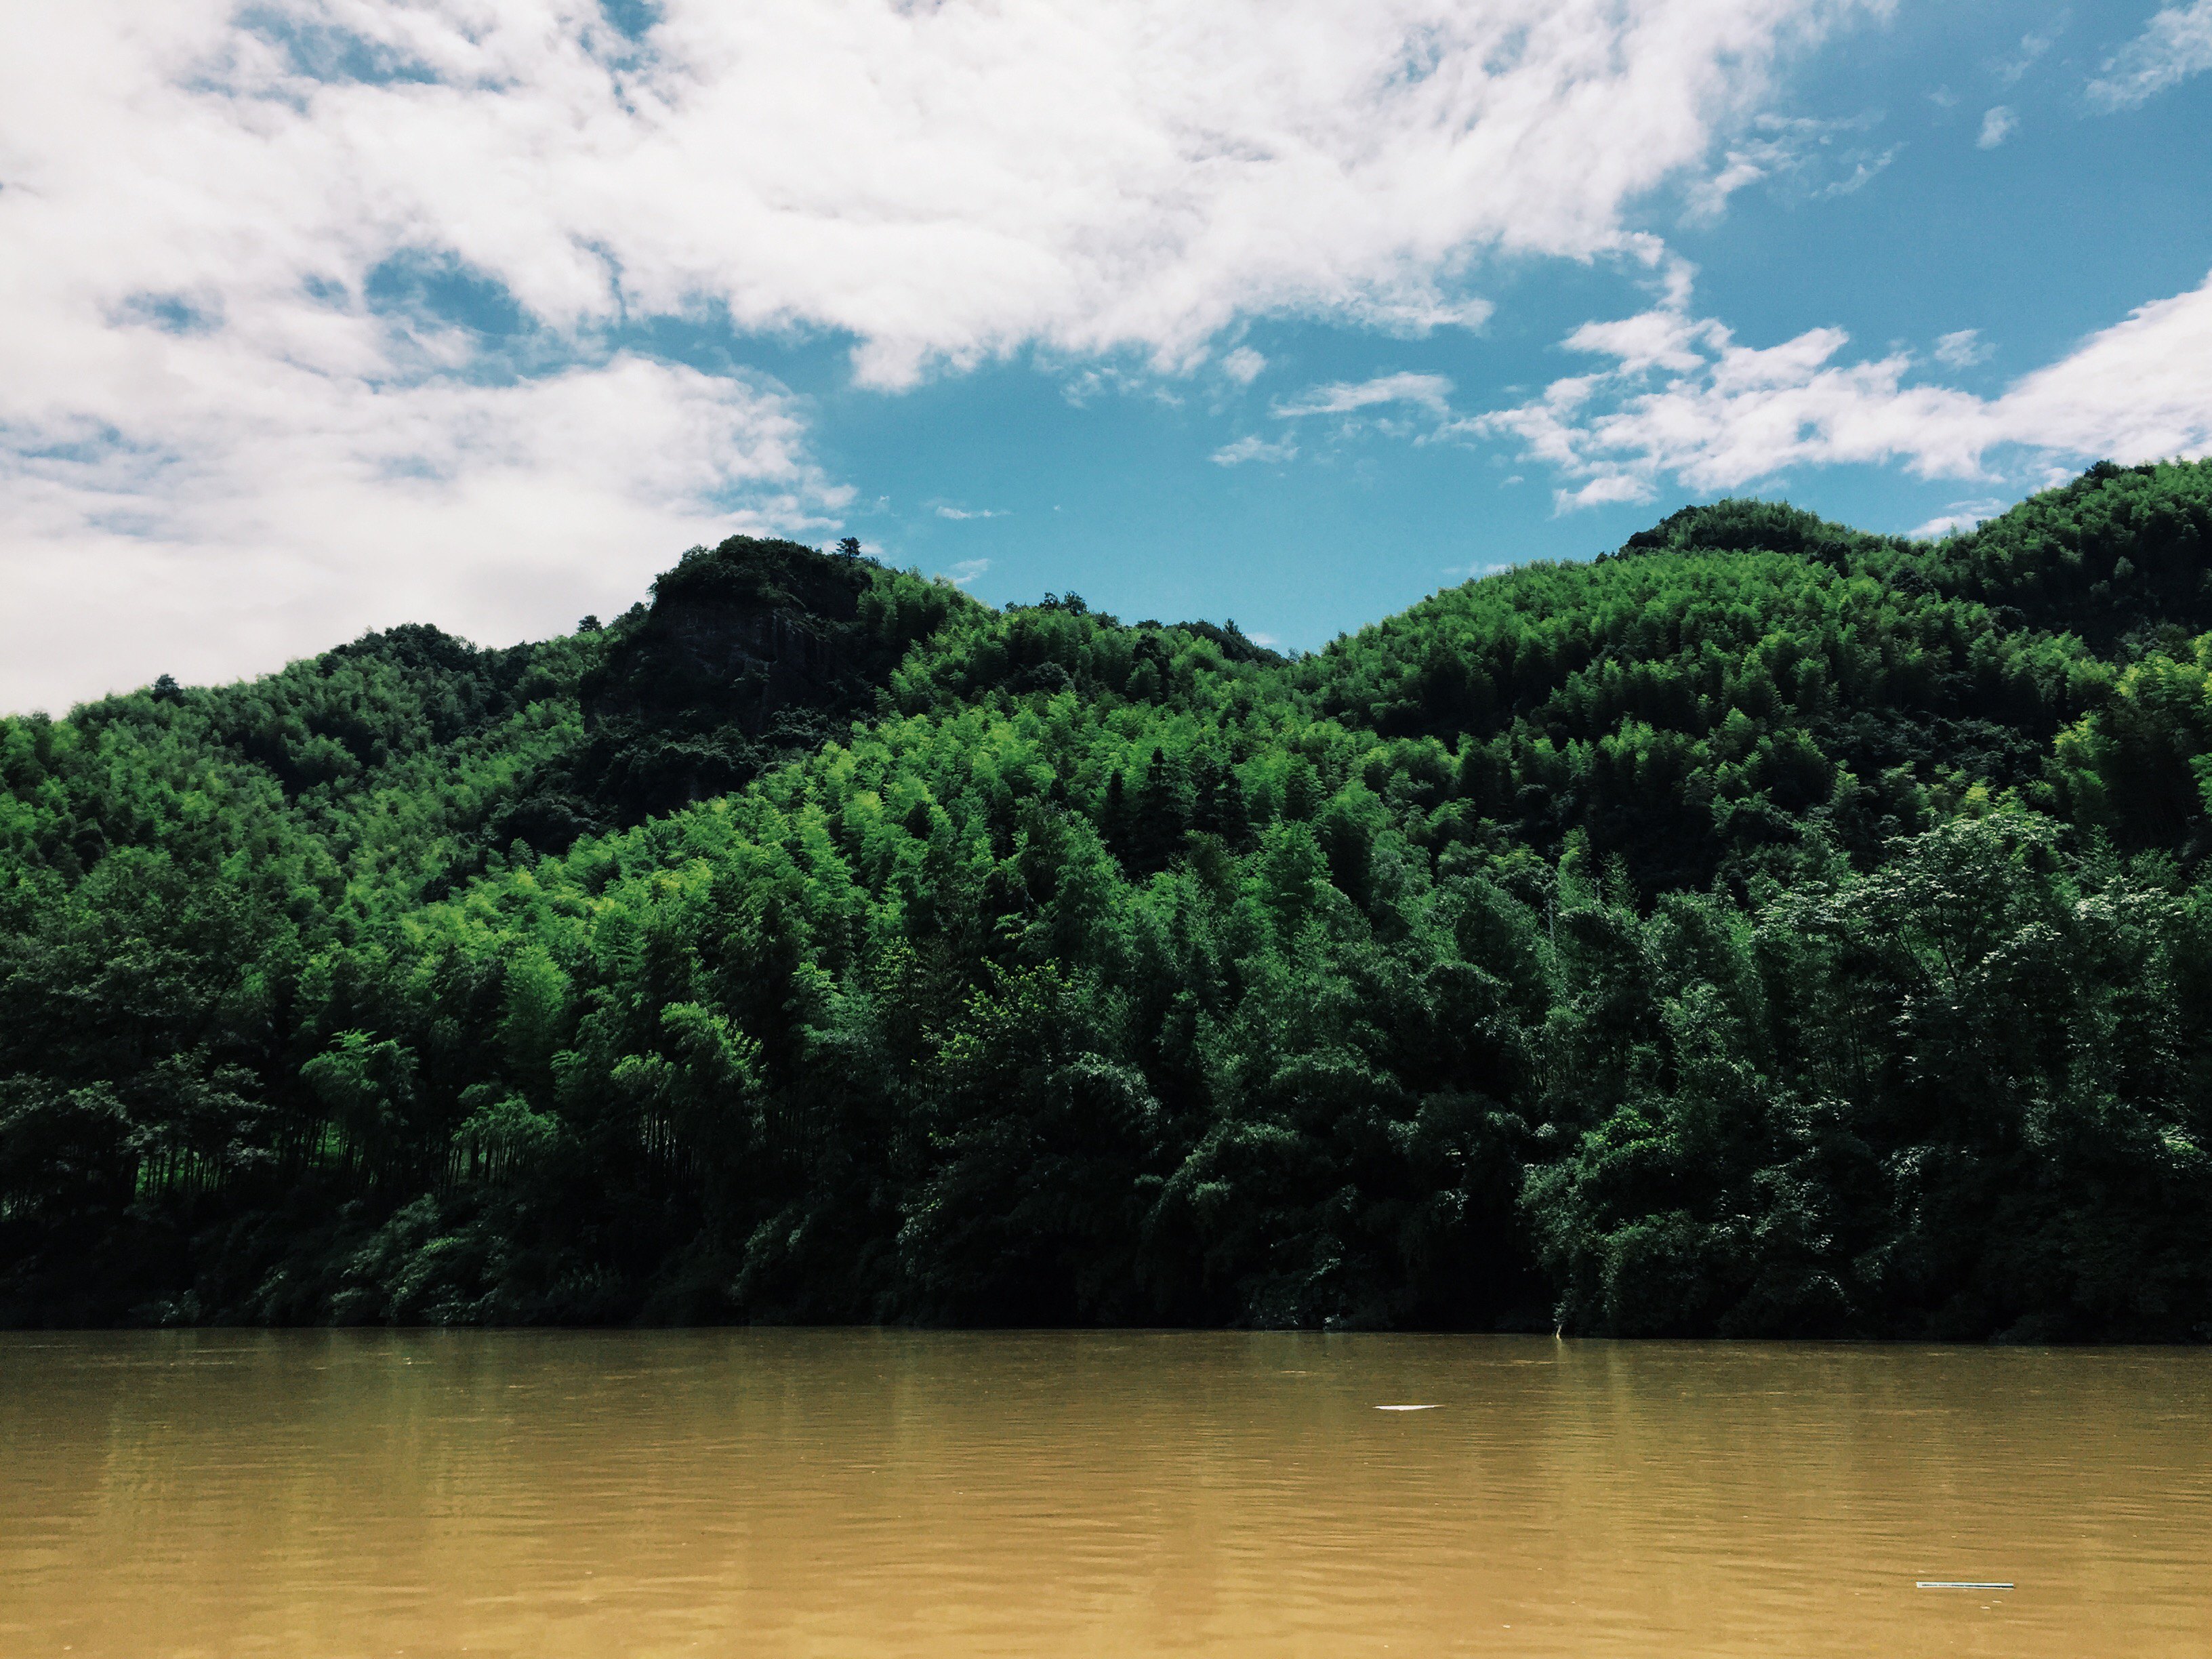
x,y
1765,929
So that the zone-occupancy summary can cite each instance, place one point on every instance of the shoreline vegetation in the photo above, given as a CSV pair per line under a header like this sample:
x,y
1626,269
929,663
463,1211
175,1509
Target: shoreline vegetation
x,y
1768,929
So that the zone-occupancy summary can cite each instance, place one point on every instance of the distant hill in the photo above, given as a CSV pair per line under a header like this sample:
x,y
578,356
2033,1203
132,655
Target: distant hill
x,y
1768,928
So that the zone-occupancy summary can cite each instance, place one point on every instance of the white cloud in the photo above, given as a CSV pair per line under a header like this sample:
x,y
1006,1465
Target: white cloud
x,y
1253,447
1997,125
2134,392
1684,400
1243,365
2032,47
1666,337
2176,44
950,181
1865,168
1963,349
247,510
1794,150
1963,515
1430,391
966,571
225,440
970,512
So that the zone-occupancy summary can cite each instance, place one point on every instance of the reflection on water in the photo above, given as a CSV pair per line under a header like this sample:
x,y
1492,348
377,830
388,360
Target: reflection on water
x,y
870,1492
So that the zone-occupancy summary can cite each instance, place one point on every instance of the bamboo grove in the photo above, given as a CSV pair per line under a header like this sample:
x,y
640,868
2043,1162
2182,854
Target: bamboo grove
x,y
1765,929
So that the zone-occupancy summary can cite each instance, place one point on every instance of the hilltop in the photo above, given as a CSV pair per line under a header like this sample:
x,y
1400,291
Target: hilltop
x,y
1767,928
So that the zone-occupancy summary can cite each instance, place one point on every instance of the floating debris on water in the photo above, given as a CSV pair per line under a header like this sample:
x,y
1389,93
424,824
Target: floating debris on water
x,y
1955,1584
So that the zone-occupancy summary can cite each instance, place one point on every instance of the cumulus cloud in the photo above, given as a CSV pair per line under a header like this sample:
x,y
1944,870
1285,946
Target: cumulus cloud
x,y
1429,392
1997,125
967,571
2176,44
1683,399
230,432
1254,447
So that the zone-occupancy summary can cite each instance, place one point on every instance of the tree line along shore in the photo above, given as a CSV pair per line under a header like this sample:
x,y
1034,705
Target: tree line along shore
x,y
1767,929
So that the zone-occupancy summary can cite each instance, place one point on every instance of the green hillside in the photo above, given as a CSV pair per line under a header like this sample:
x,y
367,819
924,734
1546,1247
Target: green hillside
x,y
1765,929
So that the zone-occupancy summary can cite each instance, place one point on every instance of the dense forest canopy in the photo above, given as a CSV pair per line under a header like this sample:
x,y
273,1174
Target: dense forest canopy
x,y
1765,929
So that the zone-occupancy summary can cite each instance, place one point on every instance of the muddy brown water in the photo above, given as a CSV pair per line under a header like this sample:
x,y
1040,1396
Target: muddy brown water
x,y
860,1493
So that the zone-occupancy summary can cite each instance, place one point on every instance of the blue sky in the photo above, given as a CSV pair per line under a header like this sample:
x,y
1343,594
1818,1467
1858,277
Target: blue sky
x,y
325,314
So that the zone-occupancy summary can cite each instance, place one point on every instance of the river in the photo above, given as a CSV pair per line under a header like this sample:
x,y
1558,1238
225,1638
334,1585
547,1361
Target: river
x,y
859,1493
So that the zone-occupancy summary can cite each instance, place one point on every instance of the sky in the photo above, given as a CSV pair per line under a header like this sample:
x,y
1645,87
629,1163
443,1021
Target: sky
x,y
318,316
